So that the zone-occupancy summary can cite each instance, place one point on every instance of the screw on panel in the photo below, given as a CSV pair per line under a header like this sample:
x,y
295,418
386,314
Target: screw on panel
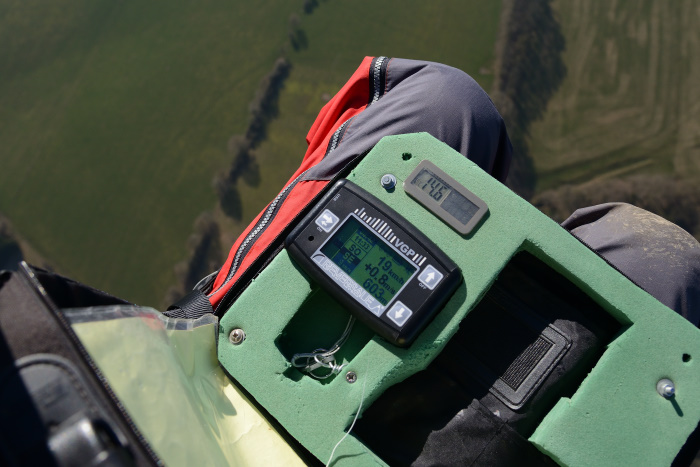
x,y
237,336
388,181
351,377
666,388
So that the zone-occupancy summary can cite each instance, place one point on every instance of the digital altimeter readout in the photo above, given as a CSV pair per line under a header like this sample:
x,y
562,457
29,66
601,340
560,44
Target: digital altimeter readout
x,y
445,197
368,260
450,200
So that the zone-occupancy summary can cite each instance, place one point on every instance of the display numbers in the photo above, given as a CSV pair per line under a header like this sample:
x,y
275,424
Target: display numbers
x,y
369,261
382,278
435,189
432,185
450,201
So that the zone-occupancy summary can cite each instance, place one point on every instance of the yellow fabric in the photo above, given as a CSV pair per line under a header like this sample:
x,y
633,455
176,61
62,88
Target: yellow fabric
x,y
174,389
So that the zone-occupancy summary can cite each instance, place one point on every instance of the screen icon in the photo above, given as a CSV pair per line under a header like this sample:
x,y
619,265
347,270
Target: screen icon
x,y
327,220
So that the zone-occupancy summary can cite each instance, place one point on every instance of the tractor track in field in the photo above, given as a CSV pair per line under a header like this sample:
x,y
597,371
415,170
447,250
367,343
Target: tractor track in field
x,y
632,93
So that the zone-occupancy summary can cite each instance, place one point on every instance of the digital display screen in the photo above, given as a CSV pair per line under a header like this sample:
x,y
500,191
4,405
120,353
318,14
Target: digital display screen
x,y
447,198
369,260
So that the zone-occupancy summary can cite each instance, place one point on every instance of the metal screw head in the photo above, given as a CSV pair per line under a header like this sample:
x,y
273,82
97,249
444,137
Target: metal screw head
x,y
666,388
388,181
237,336
351,377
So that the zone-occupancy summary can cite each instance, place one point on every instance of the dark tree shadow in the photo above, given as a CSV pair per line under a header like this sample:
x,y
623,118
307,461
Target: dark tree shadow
x,y
229,198
264,106
299,40
531,71
251,175
310,6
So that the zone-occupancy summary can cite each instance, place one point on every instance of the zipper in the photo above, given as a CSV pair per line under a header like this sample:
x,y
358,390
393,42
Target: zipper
x,y
262,224
39,290
337,136
377,79
377,84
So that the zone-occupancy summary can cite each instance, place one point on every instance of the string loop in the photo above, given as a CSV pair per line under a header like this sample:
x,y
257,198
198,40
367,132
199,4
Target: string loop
x,y
309,362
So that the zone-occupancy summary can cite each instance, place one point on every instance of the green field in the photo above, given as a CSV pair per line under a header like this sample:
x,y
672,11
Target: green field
x,y
114,116
630,103
460,34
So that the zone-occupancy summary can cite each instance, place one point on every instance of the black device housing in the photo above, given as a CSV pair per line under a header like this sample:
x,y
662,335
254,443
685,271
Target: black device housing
x,y
346,199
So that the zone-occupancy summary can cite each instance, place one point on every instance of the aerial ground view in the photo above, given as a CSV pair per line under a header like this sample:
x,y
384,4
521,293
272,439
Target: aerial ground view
x,y
137,142
494,268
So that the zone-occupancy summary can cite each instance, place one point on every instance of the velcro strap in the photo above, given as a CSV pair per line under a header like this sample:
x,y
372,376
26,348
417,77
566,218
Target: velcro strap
x,y
192,306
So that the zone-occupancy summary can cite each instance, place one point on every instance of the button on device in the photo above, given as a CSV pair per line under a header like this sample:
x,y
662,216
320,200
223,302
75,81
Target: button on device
x,y
430,277
327,220
399,313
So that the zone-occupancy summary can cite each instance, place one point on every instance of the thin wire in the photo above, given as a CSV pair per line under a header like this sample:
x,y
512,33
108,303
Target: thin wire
x,y
204,280
352,425
322,358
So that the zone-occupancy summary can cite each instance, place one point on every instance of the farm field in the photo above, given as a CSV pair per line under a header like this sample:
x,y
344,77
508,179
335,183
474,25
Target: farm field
x,y
459,34
115,116
630,103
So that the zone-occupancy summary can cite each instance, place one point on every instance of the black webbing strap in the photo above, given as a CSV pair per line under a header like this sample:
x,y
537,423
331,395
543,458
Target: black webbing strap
x,y
192,306
44,371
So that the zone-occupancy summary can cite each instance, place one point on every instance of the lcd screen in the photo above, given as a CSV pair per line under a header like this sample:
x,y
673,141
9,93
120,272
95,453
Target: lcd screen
x,y
368,259
457,205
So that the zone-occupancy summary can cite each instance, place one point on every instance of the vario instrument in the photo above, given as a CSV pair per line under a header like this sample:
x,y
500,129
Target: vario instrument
x,y
374,262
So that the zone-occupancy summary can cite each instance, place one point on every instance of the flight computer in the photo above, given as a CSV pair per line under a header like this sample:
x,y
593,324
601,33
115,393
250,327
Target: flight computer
x,y
378,265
